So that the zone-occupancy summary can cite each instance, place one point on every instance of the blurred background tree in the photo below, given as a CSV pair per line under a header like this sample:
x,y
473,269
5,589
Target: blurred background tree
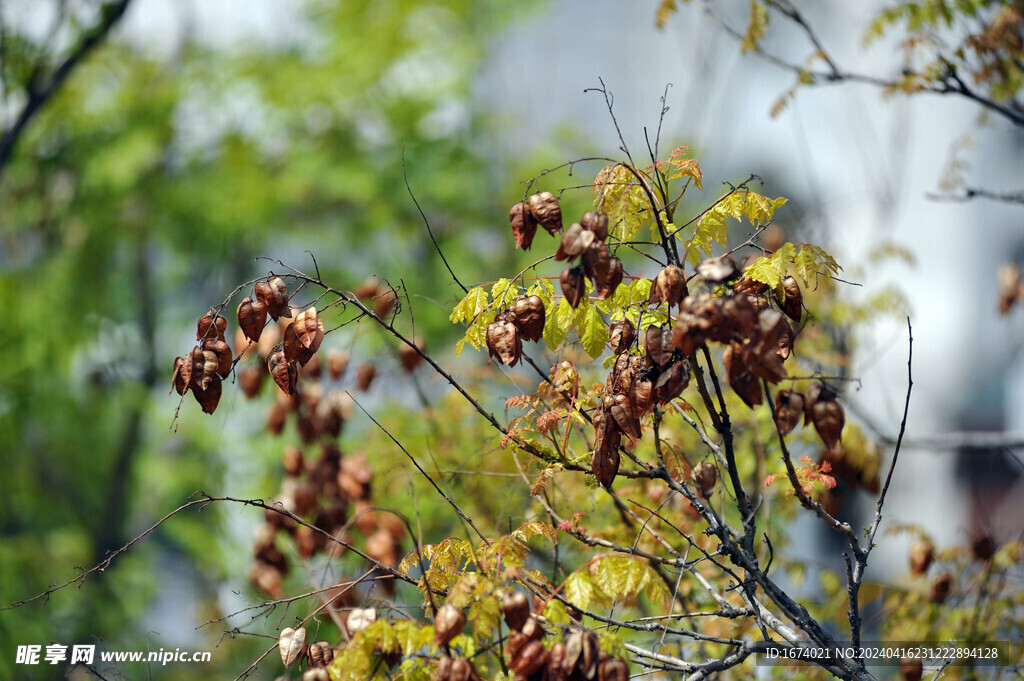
x,y
149,180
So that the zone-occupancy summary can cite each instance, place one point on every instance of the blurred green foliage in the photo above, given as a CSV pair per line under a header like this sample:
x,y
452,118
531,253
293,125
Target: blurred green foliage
x,y
138,198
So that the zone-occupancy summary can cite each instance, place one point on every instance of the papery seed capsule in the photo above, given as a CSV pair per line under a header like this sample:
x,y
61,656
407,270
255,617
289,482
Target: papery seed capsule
x,y
504,343
545,209
658,343
983,546
516,608
222,351
793,303
669,286
252,317
789,407
337,362
718,270
364,376
208,397
921,554
524,225
531,658
596,223
621,335
574,286
274,294
448,623
527,314
284,372
704,477
941,587
410,356
828,418
212,324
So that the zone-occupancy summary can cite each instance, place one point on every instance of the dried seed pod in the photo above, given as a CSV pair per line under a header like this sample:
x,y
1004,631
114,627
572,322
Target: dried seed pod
x,y
316,674
292,461
443,671
621,335
610,281
828,418
252,317
364,376
294,350
504,343
596,223
668,287
274,294
555,669
463,670
524,225
208,397
983,546
921,555
516,608
284,372
448,623
204,370
410,356
613,669
832,501
605,465
574,286
643,395
546,211
359,619
321,653
182,374
590,655
1009,287
749,286
793,301
211,325
748,388
527,314
659,345
912,669
672,381
337,362
704,476
718,270
532,657
276,417
941,587
222,351
385,302
309,328
291,643
266,579
789,407
382,547
575,240
622,411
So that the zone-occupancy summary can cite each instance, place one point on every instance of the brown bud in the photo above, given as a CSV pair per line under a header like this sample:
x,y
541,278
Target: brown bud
x,y
575,240
274,294
448,623
704,477
545,209
941,587
364,376
504,343
789,407
718,270
793,300
524,225
252,317
284,372
922,553
596,223
621,335
828,418
516,608
574,286
211,325
669,286
527,314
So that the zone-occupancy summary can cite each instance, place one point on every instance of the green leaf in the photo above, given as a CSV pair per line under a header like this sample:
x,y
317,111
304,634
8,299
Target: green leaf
x,y
579,588
503,293
766,271
535,528
593,333
470,306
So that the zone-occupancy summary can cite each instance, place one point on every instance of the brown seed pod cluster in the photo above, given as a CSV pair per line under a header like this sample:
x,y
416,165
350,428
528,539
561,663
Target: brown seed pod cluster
x,y
504,336
203,368
331,493
540,209
577,656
